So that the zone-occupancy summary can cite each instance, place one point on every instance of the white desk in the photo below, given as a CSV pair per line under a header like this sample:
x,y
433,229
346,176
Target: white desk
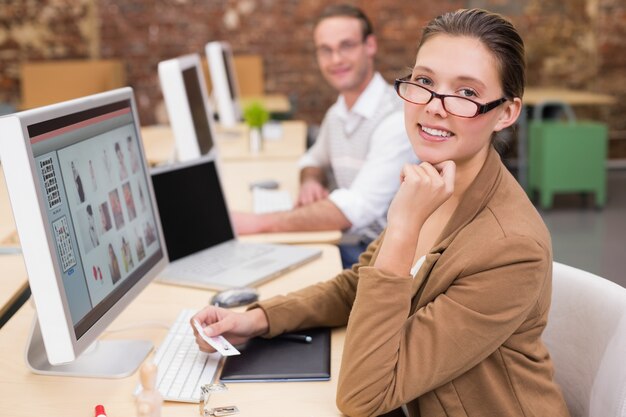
x,y
13,278
13,282
7,224
231,143
236,177
274,103
23,394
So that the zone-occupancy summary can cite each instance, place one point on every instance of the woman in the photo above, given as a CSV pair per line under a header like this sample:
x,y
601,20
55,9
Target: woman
x,y
79,183
445,310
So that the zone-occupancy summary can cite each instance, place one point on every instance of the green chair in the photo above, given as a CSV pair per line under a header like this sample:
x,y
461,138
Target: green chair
x,y
567,157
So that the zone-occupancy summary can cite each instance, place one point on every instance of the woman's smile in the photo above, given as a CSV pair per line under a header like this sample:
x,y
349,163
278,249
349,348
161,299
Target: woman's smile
x,y
434,134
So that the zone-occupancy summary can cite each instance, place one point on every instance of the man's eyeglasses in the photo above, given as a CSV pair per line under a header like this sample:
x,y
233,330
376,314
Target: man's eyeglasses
x,y
344,49
455,105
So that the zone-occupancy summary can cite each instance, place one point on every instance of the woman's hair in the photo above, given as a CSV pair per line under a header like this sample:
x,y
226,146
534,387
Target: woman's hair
x,y
496,33
347,10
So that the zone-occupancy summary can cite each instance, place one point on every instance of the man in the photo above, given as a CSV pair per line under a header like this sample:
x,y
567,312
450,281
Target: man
x,y
361,147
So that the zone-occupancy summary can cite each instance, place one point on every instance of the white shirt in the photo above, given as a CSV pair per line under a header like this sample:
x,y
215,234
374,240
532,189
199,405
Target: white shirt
x,y
364,148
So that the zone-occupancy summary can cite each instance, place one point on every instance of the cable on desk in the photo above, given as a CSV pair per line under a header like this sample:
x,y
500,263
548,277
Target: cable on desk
x,y
14,305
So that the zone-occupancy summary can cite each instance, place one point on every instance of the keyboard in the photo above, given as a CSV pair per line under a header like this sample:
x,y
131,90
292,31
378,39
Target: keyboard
x,y
182,367
224,257
268,201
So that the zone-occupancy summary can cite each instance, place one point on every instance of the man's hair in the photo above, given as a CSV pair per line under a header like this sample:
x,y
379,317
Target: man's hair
x,y
347,10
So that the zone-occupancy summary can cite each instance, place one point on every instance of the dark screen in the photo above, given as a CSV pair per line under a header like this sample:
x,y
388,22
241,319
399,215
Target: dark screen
x,y
192,208
229,73
198,110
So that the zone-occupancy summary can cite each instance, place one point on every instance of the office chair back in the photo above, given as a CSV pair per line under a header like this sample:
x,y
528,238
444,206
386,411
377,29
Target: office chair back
x,y
586,336
249,71
48,82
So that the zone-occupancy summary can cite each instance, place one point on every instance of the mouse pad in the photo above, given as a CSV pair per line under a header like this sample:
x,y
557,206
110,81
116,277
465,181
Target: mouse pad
x,y
281,359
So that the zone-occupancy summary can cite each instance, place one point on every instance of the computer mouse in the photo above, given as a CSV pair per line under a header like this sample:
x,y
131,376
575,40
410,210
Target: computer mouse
x,y
265,184
234,297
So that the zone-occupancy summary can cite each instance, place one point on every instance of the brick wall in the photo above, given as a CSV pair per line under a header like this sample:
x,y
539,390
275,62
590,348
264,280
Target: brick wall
x,y
41,30
570,43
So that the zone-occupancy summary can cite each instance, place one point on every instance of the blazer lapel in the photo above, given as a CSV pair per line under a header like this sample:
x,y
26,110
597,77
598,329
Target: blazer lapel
x,y
474,201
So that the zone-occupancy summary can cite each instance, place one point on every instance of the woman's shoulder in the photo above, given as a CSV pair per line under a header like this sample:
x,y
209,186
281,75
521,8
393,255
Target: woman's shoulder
x,y
507,223
508,241
514,213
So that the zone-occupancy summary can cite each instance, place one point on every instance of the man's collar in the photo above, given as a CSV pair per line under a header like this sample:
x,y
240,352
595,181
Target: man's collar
x,y
368,101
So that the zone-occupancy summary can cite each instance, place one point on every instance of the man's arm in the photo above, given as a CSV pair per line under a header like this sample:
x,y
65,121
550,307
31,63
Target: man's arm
x,y
313,186
321,215
313,174
368,197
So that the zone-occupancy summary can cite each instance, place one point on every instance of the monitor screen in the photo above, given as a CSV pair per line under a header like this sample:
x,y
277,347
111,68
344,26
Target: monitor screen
x,y
188,108
199,113
85,214
230,73
196,187
93,179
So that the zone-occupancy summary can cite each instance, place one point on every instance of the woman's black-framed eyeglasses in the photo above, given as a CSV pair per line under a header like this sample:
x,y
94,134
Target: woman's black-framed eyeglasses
x,y
455,105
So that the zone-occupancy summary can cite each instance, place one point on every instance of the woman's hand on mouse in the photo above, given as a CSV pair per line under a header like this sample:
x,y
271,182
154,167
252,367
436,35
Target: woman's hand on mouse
x,y
237,328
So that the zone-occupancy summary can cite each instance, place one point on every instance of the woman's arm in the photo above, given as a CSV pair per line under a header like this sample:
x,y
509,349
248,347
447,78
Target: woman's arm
x,y
325,304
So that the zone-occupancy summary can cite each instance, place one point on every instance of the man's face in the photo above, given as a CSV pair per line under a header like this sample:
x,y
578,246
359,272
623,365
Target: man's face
x,y
346,60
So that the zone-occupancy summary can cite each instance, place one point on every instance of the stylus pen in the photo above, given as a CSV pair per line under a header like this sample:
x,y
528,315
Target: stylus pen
x,y
303,338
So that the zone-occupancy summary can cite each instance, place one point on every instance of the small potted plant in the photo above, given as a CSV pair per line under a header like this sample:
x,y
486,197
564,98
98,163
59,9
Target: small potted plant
x,y
255,116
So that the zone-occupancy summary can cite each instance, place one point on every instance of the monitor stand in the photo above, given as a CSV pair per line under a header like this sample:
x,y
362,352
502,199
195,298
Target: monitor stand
x,y
104,359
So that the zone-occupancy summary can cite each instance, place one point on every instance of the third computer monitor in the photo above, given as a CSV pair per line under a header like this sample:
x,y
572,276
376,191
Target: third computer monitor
x,y
224,82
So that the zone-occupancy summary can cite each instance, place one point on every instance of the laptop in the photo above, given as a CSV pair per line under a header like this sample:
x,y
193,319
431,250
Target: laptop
x,y
200,239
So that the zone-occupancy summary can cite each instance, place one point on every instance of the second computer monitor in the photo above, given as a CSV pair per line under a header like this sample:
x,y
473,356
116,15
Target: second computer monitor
x,y
188,108
224,81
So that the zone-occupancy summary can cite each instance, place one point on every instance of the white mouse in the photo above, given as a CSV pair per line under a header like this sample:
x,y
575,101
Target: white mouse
x,y
265,184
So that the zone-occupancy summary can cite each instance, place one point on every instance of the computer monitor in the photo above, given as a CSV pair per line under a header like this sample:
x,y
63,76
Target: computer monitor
x,y
224,81
88,225
186,99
